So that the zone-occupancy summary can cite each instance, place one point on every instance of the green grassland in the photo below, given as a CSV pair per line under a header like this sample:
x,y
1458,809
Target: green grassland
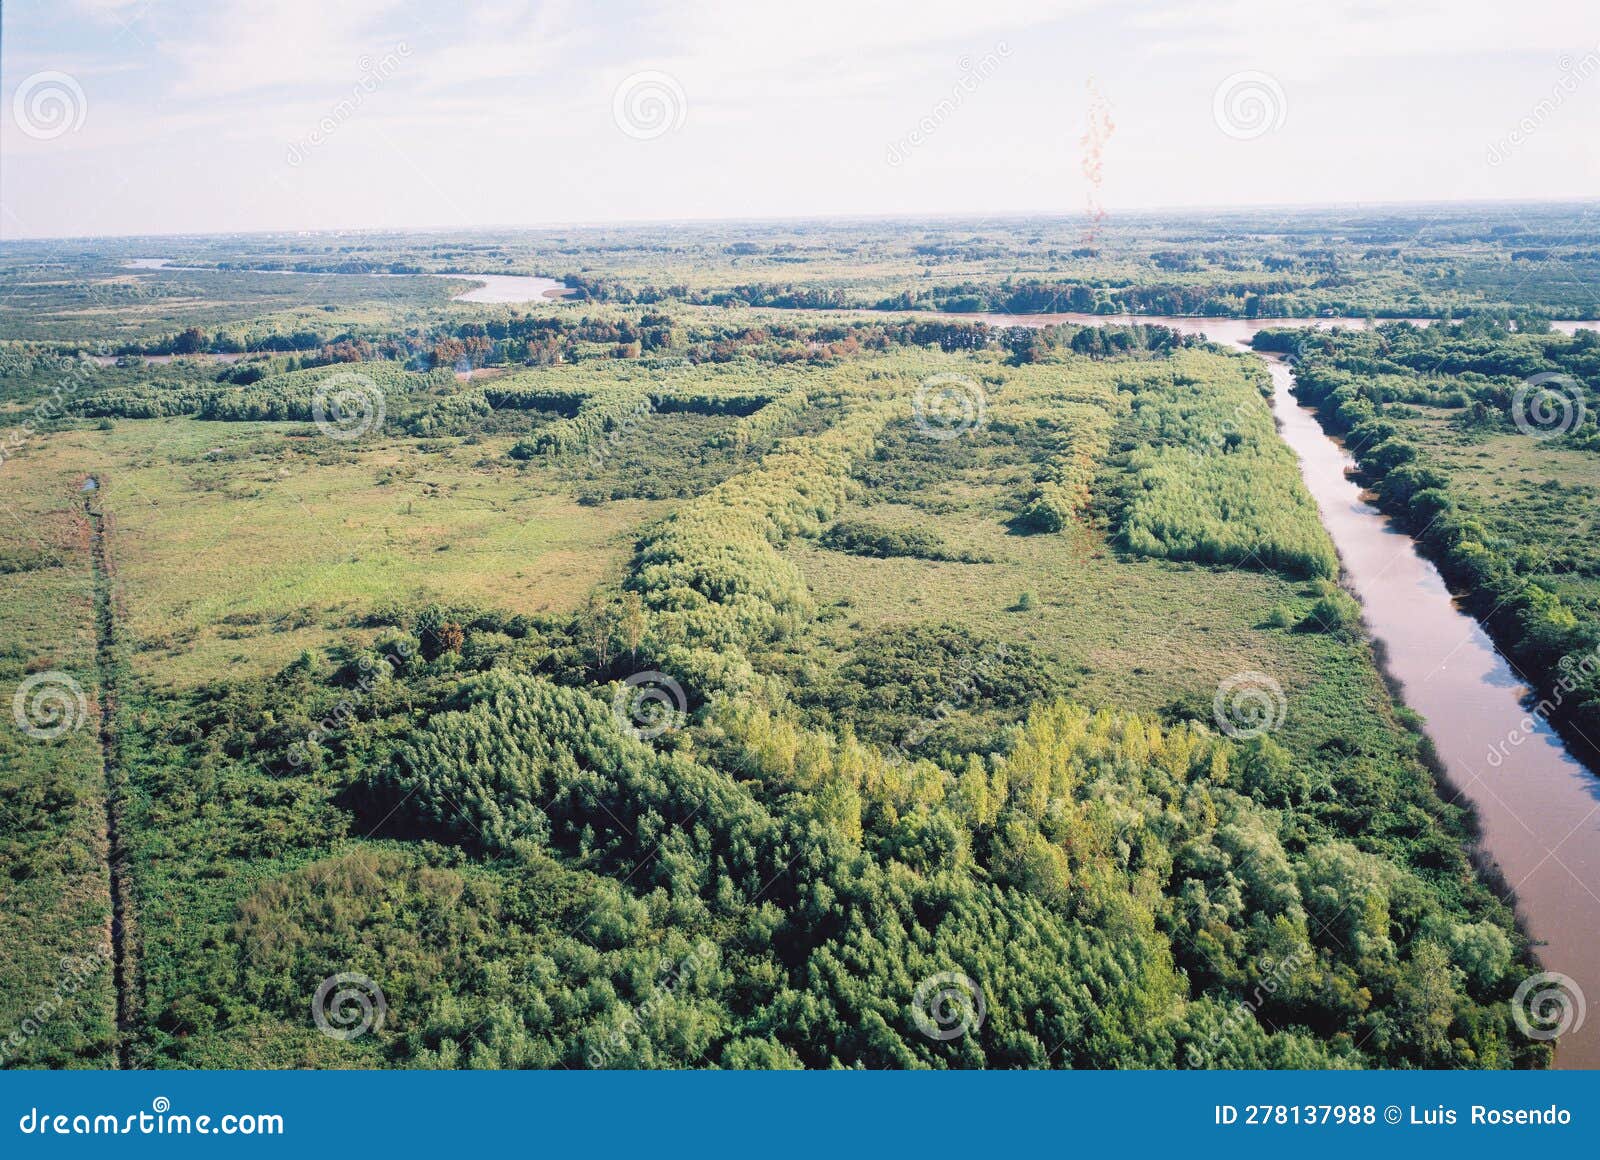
x,y
57,1006
949,679
242,544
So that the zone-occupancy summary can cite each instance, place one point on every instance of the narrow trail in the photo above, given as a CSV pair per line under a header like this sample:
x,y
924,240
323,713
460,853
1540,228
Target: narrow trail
x,y
111,756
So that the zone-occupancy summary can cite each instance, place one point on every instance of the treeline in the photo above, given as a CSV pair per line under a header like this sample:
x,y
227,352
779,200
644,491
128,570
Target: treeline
x,y
1205,477
866,538
1238,299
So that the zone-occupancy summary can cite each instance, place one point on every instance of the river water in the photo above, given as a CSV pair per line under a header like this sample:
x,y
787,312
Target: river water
x,y
1538,806
494,288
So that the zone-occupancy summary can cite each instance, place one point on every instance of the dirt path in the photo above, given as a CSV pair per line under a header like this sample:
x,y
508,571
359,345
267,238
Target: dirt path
x,y
109,664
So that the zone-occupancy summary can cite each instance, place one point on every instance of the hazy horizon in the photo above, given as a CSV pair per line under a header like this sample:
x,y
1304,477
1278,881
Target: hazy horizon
x,y
126,118
1310,209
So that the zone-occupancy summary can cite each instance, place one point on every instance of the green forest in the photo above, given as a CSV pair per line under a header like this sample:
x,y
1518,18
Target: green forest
x,y
740,662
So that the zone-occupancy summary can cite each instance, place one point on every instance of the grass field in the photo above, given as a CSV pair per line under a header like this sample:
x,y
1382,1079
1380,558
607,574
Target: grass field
x,y
57,1008
241,544
1538,495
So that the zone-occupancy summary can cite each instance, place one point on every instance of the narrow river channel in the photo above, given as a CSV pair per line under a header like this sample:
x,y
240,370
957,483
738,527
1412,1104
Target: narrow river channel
x,y
1539,807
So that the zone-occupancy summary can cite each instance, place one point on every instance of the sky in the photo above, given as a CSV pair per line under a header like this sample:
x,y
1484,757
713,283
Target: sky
x,y
203,116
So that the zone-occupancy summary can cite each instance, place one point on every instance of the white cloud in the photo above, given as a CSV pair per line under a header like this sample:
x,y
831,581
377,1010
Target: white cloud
x,y
244,47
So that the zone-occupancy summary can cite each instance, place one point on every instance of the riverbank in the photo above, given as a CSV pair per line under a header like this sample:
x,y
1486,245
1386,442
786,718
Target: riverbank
x,y
1539,811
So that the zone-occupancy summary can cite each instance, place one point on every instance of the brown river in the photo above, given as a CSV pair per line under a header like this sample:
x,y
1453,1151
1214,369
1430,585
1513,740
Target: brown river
x,y
1539,807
